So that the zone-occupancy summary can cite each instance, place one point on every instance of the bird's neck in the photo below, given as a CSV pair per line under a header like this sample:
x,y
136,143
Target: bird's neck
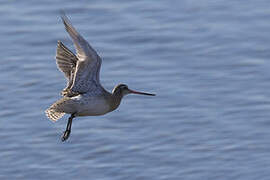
x,y
116,100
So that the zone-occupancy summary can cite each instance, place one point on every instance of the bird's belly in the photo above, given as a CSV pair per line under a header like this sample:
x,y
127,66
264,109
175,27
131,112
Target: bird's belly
x,y
92,112
93,107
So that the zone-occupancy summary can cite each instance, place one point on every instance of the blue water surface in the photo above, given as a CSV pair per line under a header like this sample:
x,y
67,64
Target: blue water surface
x,y
207,61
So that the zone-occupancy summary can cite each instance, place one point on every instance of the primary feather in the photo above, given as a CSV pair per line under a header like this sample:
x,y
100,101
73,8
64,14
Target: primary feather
x,y
86,75
66,62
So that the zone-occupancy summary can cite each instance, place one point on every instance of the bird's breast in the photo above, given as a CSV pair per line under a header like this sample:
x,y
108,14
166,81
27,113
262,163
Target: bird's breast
x,y
92,106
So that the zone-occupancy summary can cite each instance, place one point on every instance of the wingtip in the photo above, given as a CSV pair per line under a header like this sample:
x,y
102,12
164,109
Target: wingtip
x,y
62,13
64,17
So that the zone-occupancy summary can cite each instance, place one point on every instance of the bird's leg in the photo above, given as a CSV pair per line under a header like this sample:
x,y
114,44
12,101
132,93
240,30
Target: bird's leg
x,y
68,128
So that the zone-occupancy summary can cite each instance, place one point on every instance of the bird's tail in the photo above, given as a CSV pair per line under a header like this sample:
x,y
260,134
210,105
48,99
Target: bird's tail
x,y
53,115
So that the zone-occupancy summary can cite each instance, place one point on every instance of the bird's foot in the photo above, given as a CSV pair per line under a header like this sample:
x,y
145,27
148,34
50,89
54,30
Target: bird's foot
x,y
65,135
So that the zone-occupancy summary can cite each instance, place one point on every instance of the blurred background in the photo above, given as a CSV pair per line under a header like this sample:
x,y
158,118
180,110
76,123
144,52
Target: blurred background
x,y
207,61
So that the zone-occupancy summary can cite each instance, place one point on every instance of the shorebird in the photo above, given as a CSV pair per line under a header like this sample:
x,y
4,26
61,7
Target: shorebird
x,y
83,95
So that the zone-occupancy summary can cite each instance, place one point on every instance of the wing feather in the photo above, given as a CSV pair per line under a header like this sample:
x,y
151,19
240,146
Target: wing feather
x,y
66,62
65,59
86,75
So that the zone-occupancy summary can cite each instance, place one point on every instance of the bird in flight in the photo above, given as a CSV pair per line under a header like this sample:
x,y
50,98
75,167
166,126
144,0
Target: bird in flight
x,y
83,95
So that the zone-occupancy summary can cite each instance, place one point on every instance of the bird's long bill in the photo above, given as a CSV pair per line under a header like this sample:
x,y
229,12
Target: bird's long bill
x,y
142,93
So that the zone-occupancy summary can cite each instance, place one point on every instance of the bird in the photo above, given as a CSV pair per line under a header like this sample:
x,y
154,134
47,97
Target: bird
x,y
84,95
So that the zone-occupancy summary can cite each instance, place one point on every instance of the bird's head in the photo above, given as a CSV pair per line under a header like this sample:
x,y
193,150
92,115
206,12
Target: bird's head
x,y
123,90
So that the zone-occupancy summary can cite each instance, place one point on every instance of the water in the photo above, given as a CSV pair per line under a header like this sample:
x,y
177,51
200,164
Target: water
x,y
207,61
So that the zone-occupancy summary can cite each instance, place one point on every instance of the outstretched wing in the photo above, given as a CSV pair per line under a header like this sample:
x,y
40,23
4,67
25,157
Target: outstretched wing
x,y
66,62
86,76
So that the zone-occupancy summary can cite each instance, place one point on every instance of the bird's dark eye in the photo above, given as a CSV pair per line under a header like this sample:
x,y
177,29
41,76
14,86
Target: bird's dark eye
x,y
123,87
